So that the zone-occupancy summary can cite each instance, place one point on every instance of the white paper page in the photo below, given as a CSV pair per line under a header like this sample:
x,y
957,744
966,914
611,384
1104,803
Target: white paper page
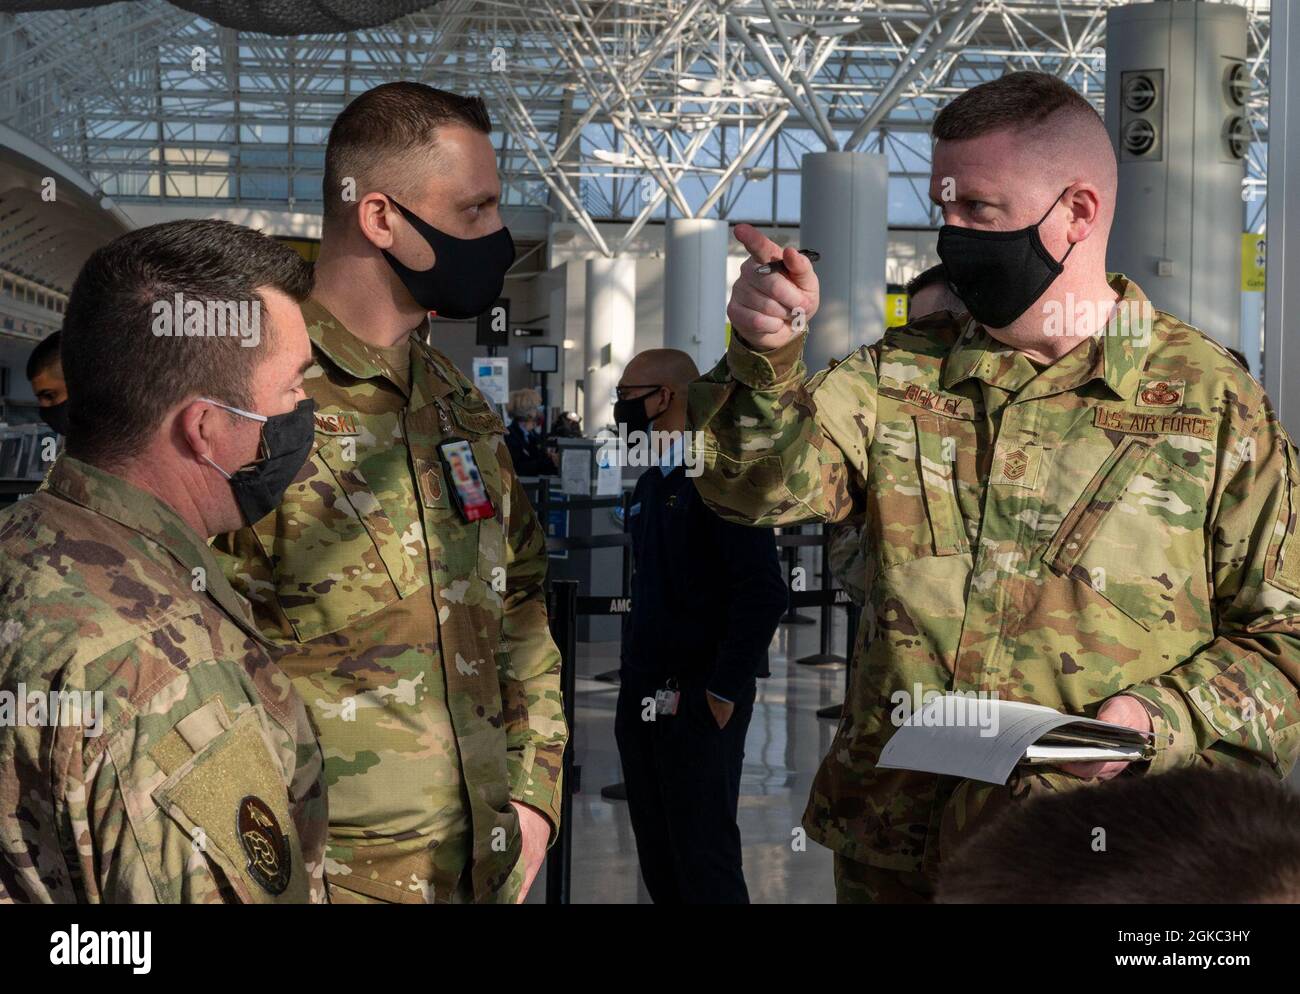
x,y
609,474
927,743
575,471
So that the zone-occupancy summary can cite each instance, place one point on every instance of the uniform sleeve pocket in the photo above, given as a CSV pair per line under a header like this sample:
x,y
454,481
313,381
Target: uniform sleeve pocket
x,y
230,798
1240,694
936,453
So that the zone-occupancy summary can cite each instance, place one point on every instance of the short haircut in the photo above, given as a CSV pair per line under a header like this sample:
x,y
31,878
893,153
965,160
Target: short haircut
x,y
379,136
524,402
44,356
122,376
928,277
1192,835
1019,100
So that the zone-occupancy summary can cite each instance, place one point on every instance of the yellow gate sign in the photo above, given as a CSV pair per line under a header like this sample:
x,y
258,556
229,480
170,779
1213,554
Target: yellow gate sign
x,y
1252,261
895,310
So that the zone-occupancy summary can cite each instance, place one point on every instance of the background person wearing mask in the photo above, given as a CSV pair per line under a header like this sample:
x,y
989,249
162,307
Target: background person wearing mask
x,y
45,374
524,434
707,597
203,780
1072,499
402,577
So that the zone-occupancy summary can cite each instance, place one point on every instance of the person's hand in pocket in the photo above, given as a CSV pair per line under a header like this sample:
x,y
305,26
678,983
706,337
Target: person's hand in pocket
x,y
721,709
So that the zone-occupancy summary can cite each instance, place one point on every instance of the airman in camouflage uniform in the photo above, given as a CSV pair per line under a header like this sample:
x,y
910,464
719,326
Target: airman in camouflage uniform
x,y
419,640
200,780
1123,520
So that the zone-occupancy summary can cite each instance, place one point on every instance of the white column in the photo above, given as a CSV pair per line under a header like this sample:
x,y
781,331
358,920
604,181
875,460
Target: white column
x,y
610,331
843,201
695,288
1282,287
1178,208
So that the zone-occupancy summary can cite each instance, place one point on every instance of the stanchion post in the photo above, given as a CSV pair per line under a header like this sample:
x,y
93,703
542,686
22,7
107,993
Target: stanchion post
x,y
853,618
792,616
626,560
612,676
828,582
627,549
564,629
544,505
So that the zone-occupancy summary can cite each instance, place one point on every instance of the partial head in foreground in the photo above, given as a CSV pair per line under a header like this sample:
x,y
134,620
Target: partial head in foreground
x,y
1189,836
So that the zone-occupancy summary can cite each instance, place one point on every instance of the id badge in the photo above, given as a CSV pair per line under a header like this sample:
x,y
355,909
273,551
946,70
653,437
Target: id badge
x,y
468,491
666,700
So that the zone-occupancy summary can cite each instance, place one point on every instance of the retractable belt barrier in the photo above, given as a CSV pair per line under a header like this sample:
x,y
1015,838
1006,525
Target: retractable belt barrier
x,y
565,605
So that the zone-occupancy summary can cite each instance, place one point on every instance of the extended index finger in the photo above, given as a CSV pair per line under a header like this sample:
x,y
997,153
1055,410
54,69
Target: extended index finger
x,y
757,244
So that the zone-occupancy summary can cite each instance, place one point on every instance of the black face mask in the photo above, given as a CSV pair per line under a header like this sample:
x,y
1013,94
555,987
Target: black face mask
x,y
630,415
998,274
286,443
467,273
56,416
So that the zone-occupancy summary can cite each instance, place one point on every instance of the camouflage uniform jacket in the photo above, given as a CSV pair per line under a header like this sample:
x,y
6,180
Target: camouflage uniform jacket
x,y
1121,520
418,640
199,779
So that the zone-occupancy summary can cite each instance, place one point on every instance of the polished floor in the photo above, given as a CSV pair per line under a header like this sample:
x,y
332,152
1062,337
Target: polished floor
x,y
785,744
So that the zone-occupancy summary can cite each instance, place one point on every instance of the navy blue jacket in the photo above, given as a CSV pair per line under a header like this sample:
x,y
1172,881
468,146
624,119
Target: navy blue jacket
x,y
707,595
527,452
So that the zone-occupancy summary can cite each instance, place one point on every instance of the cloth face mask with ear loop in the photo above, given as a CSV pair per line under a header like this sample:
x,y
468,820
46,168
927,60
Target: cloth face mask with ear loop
x,y
467,274
999,274
286,445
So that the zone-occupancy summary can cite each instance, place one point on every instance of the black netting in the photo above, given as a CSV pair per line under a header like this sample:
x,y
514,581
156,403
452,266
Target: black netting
x,y
273,17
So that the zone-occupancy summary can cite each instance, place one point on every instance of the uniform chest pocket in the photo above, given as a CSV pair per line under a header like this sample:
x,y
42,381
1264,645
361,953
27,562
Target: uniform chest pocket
x,y
336,553
913,468
460,548
230,798
1136,537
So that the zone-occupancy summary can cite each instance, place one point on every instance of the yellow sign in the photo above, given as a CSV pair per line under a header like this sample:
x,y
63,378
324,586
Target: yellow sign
x,y
1252,261
308,248
895,310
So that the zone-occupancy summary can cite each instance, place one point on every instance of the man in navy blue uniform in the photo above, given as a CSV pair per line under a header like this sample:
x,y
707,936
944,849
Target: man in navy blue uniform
x,y
707,596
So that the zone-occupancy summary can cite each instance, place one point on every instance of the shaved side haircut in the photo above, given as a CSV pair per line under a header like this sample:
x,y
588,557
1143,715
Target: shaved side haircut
x,y
385,141
1065,132
1024,101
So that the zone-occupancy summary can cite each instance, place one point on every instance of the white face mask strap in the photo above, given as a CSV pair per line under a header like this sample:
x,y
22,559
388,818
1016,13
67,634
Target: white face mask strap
x,y
215,466
235,410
